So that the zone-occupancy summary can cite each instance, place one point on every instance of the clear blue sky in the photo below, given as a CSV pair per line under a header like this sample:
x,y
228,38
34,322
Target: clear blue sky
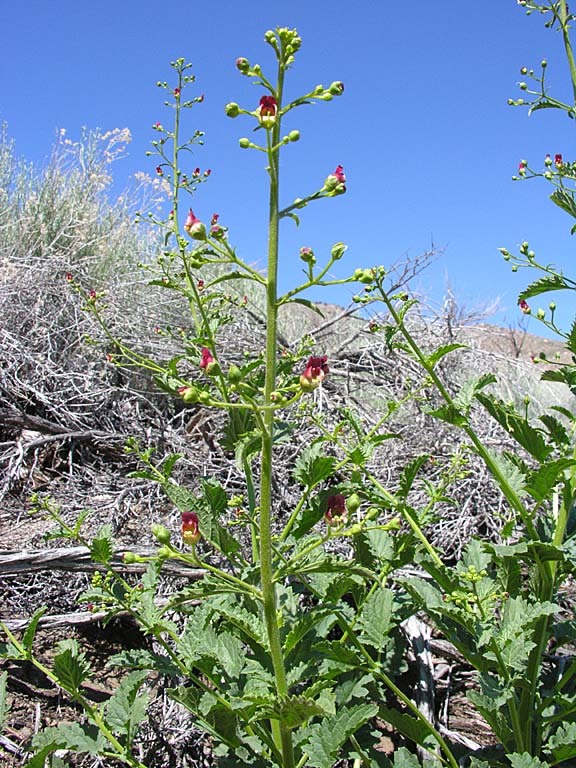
x,y
423,129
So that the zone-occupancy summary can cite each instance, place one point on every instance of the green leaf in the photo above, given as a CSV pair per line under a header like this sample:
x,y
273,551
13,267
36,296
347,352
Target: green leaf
x,y
405,759
512,475
305,303
409,474
411,727
70,666
556,429
295,710
313,466
210,505
525,760
517,426
235,275
140,658
468,391
562,745
323,740
28,637
375,618
73,736
565,200
449,414
543,285
102,546
126,708
442,351
4,706
542,481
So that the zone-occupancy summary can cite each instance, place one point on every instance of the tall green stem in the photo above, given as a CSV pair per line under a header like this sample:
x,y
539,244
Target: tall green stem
x,y
283,734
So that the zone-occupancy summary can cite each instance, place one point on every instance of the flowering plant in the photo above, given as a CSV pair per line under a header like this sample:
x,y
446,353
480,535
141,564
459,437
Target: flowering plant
x,y
290,650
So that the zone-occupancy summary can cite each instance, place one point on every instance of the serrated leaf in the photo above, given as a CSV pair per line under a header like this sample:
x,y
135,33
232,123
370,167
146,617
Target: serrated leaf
x,y
512,475
516,426
373,547
70,666
102,546
409,474
140,658
235,275
126,708
542,481
409,726
375,617
405,759
562,744
564,199
29,634
313,466
73,736
543,285
442,351
526,760
295,710
323,740
210,505
468,391
556,429
449,414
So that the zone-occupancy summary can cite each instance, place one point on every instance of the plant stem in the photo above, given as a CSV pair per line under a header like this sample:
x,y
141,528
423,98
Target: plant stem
x,y
283,736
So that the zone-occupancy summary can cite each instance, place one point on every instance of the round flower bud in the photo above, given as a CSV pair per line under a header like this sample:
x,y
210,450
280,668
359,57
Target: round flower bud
x,y
353,503
307,255
336,88
234,374
160,533
338,250
242,65
294,136
543,63
540,314
244,143
524,71
129,558
552,306
232,109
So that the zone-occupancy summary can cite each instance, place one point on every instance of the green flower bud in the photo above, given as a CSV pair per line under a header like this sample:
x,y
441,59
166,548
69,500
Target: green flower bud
x,y
244,143
242,65
524,71
336,88
232,109
522,86
540,314
552,306
338,250
353,503
204,397
234,374
164,553
543,63
367,277
129,558
294,135
160,533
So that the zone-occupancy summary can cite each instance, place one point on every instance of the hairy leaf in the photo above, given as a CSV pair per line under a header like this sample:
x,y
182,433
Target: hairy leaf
x,y
517,426
70,666
313,466
543,285
375,618
126,708
324,740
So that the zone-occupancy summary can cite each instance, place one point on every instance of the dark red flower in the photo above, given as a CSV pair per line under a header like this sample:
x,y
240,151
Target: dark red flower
x,y
206,359
314,373
177,92
336,511
267,111
558,162
190,528
268,106
69,277
524,306
159,170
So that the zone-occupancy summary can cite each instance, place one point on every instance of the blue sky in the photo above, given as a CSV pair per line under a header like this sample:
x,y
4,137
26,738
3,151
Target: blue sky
x,y
423,130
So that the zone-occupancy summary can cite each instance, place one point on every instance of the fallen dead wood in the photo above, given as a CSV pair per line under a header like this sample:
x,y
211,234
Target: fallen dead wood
x,y
78,559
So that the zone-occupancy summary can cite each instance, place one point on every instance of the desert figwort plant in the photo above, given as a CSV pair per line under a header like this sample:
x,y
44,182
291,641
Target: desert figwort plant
x,y
289,649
